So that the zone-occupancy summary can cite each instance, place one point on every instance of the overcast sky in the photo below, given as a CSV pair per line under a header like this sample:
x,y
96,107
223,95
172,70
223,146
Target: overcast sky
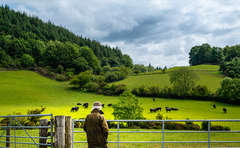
x,y
159,32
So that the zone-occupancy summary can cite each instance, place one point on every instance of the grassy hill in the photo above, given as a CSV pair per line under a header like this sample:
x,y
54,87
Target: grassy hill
x,y
23,90
208,74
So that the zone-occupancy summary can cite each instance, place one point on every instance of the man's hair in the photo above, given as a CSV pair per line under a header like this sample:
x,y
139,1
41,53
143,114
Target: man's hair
x,y
97,103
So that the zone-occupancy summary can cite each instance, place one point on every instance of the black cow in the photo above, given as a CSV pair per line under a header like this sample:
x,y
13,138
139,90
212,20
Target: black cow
x,y
168,109
153,99
109,105
74,108
158,108
225,110
79,103
102,105
152,110
85,104
214,106
174,109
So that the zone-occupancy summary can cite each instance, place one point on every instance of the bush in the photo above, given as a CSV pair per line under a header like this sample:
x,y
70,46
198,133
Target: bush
x,y
205,125
59,69
27,60
159,116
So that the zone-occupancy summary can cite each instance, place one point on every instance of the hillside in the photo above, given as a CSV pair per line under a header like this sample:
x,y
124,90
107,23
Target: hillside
x,y
209,76
46,44
23,90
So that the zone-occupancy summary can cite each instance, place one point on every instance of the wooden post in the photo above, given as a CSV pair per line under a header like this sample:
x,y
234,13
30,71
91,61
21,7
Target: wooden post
x,y
68,130
43,132
59,132
8,139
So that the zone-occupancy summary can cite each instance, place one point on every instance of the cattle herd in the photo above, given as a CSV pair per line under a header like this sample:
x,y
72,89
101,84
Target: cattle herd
x,y
85,105
168,109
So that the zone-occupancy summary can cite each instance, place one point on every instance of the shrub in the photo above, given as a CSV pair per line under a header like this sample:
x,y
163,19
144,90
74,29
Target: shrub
x,y
205,125
59,69
35,119
159,116
27,60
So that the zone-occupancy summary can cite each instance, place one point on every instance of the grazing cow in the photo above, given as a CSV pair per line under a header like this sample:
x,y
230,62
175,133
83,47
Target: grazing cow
x,y
109,105
158,108
84,104
214,106
174,109
153,99
79,103
102,105
225,110
152,110
74,108
168,109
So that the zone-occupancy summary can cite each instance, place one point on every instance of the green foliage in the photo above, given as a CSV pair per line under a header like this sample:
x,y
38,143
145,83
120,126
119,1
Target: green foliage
x,y
140,67
59,69
136,72
35,119
127,107
183,80
230,90
53,45
81,79
27,60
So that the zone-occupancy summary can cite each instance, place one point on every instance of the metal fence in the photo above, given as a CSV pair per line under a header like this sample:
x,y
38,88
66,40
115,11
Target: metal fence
x,y
13,132
163,131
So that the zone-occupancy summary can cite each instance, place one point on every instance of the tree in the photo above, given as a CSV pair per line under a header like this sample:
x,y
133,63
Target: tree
x,y
183,80
27,60
82,79
127,107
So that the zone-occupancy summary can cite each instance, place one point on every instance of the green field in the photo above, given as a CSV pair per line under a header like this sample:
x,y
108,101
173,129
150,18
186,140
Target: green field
x,y
208,75
23,90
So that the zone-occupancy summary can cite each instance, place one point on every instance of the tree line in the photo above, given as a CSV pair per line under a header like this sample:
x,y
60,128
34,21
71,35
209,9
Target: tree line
x,y
27,40
227,58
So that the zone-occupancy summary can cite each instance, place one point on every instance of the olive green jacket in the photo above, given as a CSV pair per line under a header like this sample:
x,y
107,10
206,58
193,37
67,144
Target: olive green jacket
x,y
96,127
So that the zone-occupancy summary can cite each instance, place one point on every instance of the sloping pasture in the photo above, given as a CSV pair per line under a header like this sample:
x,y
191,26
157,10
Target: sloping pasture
x,y
23,90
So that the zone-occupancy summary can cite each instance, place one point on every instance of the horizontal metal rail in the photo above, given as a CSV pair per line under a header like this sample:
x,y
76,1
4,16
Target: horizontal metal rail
x,y
26,115
27,137
24,143
25,127
163,131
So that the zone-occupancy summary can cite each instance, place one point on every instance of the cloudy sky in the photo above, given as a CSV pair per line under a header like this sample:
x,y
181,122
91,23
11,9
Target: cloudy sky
x,y
159,32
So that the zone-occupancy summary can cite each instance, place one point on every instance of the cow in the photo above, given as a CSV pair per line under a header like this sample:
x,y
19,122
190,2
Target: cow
x,y
74,108
109,105
225,110
84,104
102,105
174,109
153,99
214,106
158,108
168,109
79,103
152,110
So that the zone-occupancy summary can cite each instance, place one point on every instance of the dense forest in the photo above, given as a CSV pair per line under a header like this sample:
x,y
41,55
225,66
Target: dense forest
x,y
228,58
27,40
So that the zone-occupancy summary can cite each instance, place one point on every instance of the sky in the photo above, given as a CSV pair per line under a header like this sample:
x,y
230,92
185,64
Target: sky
x,y
156,32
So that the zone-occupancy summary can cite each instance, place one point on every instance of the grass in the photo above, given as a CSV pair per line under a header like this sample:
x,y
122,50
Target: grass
x,y
23,90
208,75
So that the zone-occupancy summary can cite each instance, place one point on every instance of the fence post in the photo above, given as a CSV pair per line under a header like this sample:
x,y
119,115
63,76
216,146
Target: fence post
x,y
163,134
209,126
8,139
59,132
43,132
68,130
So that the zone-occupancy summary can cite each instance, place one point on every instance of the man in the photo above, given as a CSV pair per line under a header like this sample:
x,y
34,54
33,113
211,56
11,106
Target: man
x,y
96,127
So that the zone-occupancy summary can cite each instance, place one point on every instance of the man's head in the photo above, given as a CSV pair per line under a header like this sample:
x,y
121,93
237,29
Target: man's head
x,y
97,105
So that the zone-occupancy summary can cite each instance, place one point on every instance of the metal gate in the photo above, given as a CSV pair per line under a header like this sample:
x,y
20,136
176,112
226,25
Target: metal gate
x,y
78,130
14,132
